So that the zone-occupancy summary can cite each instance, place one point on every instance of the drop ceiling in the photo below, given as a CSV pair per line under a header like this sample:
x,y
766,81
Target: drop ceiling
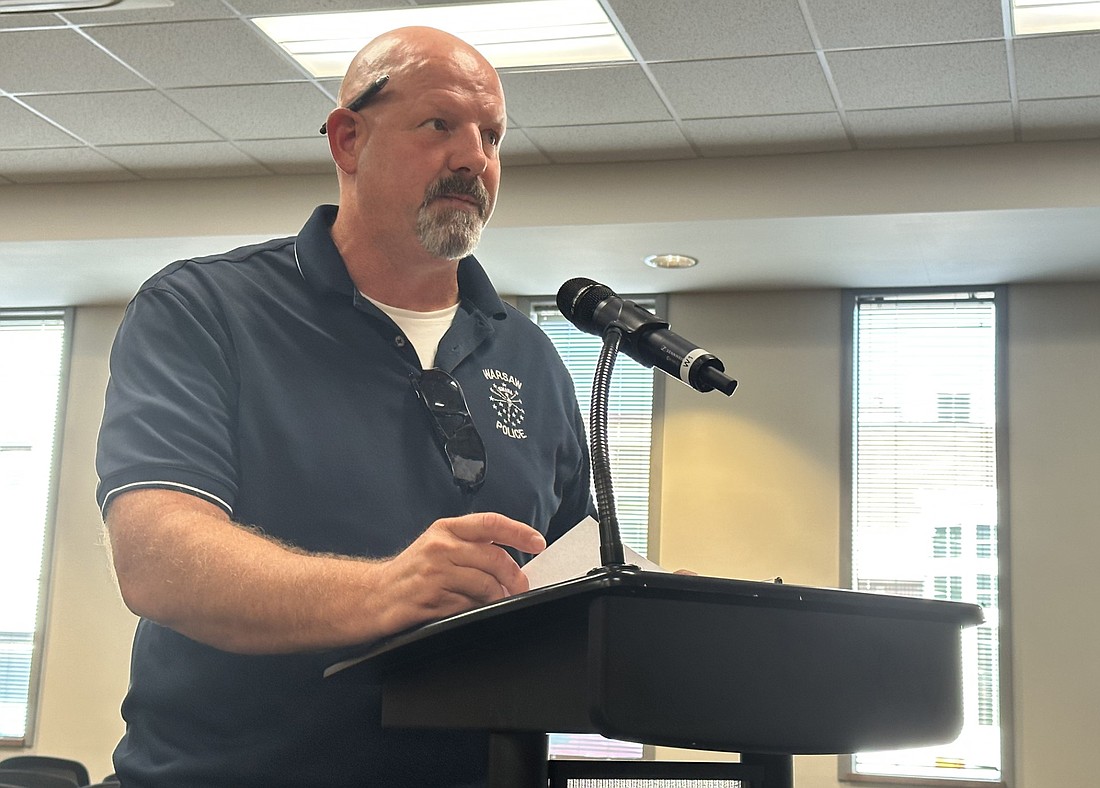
x,y
155,91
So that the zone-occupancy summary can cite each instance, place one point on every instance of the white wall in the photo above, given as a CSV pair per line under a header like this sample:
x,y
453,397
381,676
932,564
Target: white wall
x,y
750,489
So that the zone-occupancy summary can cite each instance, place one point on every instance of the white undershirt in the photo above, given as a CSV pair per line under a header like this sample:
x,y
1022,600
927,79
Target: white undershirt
x,y
422,329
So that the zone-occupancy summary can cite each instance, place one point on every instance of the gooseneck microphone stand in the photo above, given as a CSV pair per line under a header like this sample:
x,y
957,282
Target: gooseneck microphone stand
x,y
611,546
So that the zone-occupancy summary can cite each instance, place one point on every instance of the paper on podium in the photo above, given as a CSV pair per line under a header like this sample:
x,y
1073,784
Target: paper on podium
x,y
575,554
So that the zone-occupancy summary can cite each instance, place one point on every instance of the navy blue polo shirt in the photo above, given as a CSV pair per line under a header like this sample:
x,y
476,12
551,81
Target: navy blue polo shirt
x,y
262,381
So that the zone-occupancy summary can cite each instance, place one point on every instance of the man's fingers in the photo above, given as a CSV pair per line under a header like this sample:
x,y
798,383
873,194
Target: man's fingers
x,y
486,527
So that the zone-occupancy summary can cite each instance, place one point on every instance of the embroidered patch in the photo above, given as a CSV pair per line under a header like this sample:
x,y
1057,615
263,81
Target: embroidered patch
x,y
504,396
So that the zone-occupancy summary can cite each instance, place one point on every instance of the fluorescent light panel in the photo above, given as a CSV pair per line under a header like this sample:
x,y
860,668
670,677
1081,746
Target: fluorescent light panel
x,y
42,6
1033,17
510,35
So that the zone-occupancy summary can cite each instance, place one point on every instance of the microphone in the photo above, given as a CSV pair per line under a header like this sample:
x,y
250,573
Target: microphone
x,y
646,338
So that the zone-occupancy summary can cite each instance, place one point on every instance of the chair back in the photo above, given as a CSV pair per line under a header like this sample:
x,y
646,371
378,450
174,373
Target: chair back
x,y
49,764
28,779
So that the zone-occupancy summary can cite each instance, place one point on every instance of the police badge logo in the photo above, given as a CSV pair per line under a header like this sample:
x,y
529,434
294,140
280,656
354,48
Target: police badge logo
x,y
504,396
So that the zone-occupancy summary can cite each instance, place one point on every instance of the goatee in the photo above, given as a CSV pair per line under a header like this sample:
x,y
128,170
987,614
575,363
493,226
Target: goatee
x,y
452,233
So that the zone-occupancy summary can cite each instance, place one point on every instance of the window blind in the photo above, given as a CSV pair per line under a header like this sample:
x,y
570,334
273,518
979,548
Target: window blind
x,y
629,421
32,355
924,491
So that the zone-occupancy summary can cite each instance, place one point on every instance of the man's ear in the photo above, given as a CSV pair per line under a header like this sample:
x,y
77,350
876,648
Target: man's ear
x,y
343,136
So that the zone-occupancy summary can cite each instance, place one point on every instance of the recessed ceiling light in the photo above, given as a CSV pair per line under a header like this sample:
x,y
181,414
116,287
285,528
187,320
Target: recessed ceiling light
x,y
509,34
1032,17
671,261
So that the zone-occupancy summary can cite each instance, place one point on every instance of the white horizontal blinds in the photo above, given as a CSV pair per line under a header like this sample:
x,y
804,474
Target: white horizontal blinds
x,y
630,430
31,357
924,494
629,422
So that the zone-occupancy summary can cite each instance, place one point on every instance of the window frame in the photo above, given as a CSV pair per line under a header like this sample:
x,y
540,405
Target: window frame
x,y
49,538
849,298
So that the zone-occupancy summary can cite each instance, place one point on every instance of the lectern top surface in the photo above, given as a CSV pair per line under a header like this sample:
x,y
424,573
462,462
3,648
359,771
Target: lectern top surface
x,y
660,585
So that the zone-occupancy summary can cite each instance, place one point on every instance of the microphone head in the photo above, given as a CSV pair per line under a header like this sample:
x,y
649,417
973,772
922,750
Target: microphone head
x,y
578,299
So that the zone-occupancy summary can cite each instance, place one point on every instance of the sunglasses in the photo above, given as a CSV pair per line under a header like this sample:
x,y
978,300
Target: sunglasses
x,y
454,427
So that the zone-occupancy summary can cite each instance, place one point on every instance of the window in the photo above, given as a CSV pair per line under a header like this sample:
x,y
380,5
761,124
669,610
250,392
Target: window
x,y
32,356
630,414
924,493
630,431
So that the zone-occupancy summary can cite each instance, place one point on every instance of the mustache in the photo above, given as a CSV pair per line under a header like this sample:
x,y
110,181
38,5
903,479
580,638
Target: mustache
x,y
465,187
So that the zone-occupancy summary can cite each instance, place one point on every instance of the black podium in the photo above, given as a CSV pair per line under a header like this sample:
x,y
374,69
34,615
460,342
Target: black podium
x,y
763,669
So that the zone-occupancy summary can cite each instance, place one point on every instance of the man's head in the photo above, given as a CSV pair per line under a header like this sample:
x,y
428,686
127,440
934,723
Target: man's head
x,y
419,161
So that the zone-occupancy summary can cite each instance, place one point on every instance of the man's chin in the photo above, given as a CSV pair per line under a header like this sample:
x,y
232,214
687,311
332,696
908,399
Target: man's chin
x,y
450,234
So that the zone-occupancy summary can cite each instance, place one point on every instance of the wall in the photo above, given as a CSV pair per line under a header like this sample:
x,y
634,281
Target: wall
x,y
1054,443
749,490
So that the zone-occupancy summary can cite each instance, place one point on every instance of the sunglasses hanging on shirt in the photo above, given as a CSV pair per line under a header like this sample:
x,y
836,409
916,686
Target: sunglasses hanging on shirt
x,y
454,427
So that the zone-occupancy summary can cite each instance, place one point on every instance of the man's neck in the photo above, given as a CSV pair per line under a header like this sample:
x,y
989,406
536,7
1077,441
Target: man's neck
x,y
404,276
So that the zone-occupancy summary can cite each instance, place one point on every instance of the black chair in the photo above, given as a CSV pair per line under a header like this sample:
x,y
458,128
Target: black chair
x,y
48,764
27,779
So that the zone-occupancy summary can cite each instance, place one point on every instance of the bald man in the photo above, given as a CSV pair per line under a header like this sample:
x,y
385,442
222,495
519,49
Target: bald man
x,y
320,441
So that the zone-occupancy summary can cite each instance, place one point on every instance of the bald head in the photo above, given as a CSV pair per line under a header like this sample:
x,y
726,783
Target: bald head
x,y
417,158
406,51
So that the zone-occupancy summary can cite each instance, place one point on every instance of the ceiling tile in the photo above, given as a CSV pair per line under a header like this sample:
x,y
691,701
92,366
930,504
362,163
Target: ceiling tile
x,y
184,160
581,96
58,60
139,116
919,127
842,24
1058,66
293,109
617,142
291,157
921,76
173,12
185,54
787,84
702,29
21,128
1060,119
518,150
719,137
59,165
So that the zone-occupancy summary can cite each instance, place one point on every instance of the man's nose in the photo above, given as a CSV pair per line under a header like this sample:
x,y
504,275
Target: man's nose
x,y
469,153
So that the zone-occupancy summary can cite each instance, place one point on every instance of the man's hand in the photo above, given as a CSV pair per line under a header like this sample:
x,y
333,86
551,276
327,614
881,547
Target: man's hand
x,y
456,564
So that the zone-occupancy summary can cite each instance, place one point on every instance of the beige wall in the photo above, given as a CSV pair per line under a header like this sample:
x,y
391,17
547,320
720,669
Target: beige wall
x,y
1054,496
749,489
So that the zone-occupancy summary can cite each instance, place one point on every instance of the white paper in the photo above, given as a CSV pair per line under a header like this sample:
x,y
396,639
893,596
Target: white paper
x,y
575,554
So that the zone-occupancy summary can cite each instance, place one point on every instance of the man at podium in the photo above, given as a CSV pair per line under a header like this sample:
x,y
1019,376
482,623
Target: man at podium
x,y
320,441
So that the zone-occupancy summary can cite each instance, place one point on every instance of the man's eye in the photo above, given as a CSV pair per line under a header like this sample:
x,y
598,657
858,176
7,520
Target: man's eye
x,y
438,124
493,137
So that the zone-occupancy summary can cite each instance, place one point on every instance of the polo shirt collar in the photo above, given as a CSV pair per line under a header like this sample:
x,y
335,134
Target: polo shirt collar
x,y
323,268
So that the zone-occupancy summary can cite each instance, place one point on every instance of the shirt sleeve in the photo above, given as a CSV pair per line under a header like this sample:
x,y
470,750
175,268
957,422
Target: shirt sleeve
x,y
170,413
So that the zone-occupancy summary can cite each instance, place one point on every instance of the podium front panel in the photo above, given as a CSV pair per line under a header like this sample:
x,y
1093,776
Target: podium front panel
x,y
691,662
